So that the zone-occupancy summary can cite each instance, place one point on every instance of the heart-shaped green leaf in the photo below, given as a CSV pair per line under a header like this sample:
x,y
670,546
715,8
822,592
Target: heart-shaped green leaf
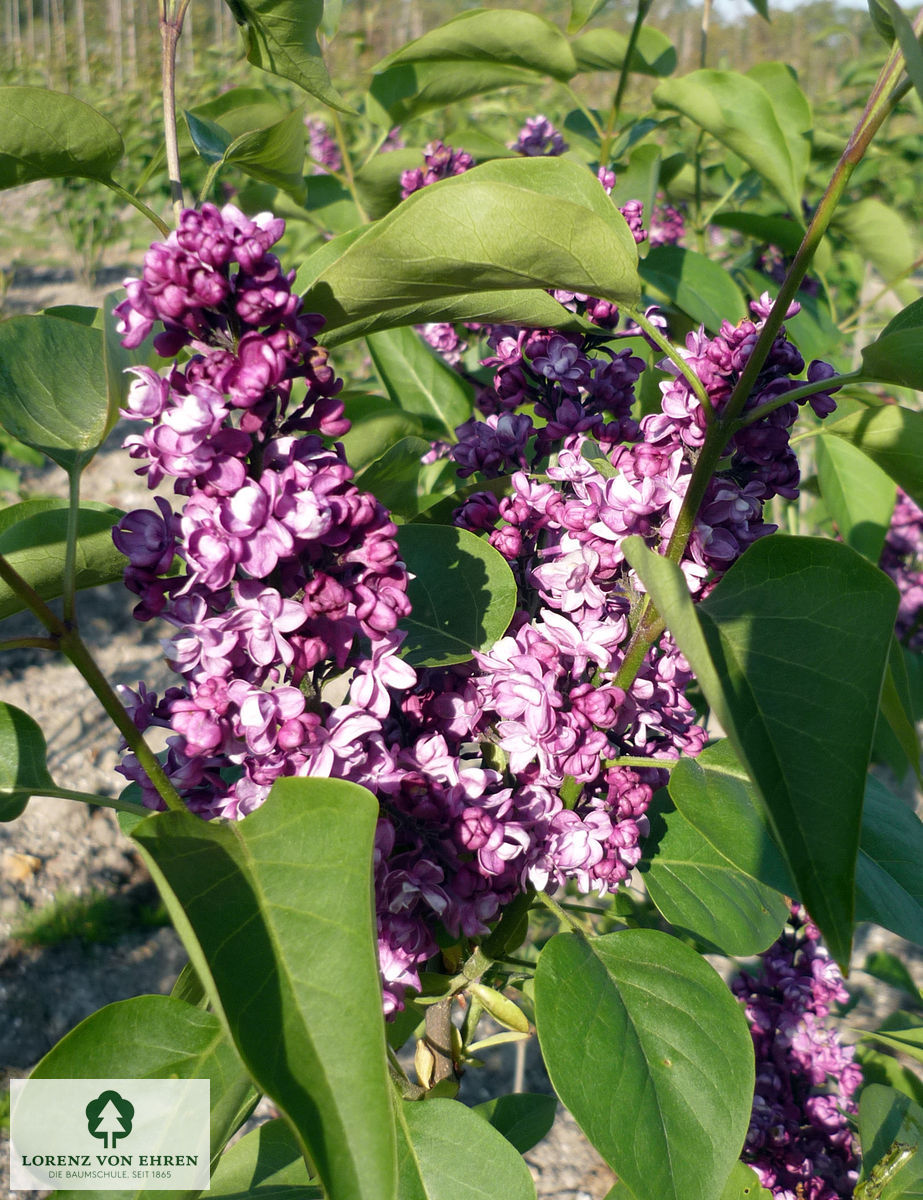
x,y
790,650
511,37
275,912
463,594
418,381
431,1168
23,770
739,113
54,392
507,225
695,284
266,1164
641,1019
157,1037
33,537
281,37
50,135
892,437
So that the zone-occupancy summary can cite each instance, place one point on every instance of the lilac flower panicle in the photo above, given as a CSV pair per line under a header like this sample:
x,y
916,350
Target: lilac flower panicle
x,y
800,1141
902,559
539,138
322,147
439,162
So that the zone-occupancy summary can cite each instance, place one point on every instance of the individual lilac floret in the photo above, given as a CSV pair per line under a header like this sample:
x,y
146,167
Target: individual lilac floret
x,y
539,138
902,559
439,162
799,1141
322,147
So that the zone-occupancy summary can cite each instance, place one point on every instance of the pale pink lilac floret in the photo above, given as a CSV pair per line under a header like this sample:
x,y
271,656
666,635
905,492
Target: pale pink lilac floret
x,y
806,1079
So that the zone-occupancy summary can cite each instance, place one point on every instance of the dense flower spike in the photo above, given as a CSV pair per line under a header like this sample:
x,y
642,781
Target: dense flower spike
x,y
799,1141
539,138
902,558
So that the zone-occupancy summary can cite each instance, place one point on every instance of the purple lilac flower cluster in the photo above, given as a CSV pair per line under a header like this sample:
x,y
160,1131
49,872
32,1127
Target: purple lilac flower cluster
x,y
902,559
439,162
322,147
667,225
287,566
799,1141
538,138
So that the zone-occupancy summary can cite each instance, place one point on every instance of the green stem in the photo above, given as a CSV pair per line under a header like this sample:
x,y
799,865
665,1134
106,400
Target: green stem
x,y
72,646
69,577
133,200
349,176
588,113
799,393
644,7
703,39
30,643
677,359
171,26
564,917
95,799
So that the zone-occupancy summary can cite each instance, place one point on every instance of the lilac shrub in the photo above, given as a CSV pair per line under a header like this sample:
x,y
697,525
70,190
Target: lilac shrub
x,y
291,576
800,1140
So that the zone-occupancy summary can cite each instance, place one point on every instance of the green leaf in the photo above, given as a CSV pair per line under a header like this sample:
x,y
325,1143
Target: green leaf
x,y
605,50
889,887
23,770
777,231
507,225
53,388
582,11
32,538
641,179
430,1166
240,110
377,427
704,874
49,135
156,1037
407,90
506,36
281,37
907,39
266,1164
743,1182
697,285
378,181
897,708
891,1133
275,912
895,355
739,113
881,1067
210,140
463,594
892,437
651,1023
523,1118
790,651
892,971
907,1040
418,381
274,155
882,236
793,112
402,482
858,494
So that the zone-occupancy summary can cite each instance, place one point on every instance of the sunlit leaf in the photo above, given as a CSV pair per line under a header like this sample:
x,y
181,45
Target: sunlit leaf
x,y
858,494
281,37
50,135
271,909
739,112
651,1023
463,594
893,438
418,381
605,50
697,285
266,1164
23,770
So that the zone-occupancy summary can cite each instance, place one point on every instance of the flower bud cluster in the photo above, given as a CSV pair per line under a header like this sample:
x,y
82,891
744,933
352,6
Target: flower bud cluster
x,y
439,162
799,1141
538,138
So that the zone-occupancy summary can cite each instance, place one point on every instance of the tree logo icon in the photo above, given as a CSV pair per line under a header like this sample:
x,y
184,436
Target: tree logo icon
x,y
109,1117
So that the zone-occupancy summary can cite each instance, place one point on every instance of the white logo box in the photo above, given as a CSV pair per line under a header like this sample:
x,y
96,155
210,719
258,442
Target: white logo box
x,y
109,1134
